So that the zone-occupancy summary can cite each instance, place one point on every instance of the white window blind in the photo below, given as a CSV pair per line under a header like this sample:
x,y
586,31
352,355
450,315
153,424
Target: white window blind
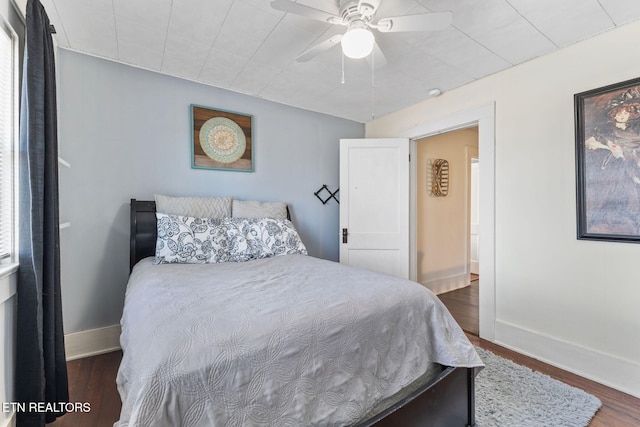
x,y
8,134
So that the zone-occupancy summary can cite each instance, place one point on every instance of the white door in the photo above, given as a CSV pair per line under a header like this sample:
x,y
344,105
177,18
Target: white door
x,y
374,204
474,238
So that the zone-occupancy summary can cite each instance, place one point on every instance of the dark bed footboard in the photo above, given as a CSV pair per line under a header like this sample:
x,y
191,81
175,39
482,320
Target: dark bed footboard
x,y
448,401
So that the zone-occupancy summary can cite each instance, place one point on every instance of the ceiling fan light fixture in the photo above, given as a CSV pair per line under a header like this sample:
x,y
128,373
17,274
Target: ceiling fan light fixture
x,y
358,41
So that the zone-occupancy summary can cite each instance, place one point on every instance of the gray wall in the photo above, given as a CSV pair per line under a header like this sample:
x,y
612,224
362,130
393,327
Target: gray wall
x,y
126,133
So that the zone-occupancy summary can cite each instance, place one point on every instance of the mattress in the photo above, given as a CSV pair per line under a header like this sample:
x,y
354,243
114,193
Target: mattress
x,y
284,341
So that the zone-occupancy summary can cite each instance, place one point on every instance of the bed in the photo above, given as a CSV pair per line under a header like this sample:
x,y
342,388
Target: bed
x,y
285,340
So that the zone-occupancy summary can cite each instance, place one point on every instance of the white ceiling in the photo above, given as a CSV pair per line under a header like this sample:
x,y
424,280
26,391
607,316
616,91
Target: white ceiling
x,y
248,47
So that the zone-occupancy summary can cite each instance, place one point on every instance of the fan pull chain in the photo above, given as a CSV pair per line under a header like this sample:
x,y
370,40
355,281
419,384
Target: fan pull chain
x,y
373,86
342,81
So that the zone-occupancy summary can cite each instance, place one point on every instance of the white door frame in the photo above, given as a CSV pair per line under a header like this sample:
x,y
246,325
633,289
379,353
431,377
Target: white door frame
x,y
484,118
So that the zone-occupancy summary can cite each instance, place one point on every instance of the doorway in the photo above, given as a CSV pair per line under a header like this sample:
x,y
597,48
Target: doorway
x,y
446,222
443,218
484,118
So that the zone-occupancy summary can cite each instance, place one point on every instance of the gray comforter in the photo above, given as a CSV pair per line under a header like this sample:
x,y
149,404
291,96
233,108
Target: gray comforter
x,y
285,341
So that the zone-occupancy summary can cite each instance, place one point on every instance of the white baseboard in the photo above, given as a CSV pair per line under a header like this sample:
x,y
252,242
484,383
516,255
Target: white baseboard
x,y
612,371
446,284
92,342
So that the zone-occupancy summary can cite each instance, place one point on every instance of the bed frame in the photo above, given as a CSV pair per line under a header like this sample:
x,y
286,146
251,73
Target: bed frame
x,y
447,400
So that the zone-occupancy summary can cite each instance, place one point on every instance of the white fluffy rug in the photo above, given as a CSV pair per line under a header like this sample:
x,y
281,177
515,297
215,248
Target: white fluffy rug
x,y
511,395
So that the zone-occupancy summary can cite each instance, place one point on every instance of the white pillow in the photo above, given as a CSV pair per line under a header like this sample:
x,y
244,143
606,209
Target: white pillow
x,y
253,209
197,207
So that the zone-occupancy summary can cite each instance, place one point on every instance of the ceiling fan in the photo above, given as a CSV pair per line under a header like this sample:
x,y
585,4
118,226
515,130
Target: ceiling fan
x,y
358,16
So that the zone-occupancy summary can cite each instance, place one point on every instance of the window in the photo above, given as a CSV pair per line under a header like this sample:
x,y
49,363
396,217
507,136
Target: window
x,y
8,138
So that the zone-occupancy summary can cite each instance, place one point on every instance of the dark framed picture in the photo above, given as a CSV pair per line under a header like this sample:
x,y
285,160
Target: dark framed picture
x,y
221,139
607,123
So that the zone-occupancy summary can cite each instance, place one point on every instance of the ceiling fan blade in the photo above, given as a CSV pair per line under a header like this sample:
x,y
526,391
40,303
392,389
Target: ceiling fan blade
x,y
379,60
309,12
316,50
422,22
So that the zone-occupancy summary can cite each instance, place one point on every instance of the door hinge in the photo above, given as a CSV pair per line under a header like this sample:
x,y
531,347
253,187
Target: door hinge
x,y
344,235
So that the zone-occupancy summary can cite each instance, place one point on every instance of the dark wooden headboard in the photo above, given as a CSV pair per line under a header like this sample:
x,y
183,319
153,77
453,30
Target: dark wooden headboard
x,y
143,231
143,235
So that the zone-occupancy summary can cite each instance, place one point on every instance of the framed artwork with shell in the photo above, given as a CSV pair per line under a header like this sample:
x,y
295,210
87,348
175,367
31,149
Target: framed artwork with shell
x,y
221,139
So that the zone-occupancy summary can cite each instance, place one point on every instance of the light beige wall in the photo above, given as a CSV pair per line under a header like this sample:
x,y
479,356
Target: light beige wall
x,y
442,222
573,303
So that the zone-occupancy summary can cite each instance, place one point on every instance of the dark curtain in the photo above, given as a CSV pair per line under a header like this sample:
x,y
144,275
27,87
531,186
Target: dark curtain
x,y
41,370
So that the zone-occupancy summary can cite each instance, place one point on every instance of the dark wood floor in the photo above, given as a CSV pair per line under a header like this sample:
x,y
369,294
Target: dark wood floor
x,y
618,409
93,380
463,306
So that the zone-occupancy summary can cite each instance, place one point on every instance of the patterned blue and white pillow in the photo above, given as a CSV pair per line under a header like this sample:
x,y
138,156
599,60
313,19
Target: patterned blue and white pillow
x,y
189,240
255,238
242,244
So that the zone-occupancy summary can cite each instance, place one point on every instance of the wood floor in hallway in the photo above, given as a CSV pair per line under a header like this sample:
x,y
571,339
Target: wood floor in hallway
x,y
463,305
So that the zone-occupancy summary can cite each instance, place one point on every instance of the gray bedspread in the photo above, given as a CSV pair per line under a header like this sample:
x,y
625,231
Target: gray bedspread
x,y
286,341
